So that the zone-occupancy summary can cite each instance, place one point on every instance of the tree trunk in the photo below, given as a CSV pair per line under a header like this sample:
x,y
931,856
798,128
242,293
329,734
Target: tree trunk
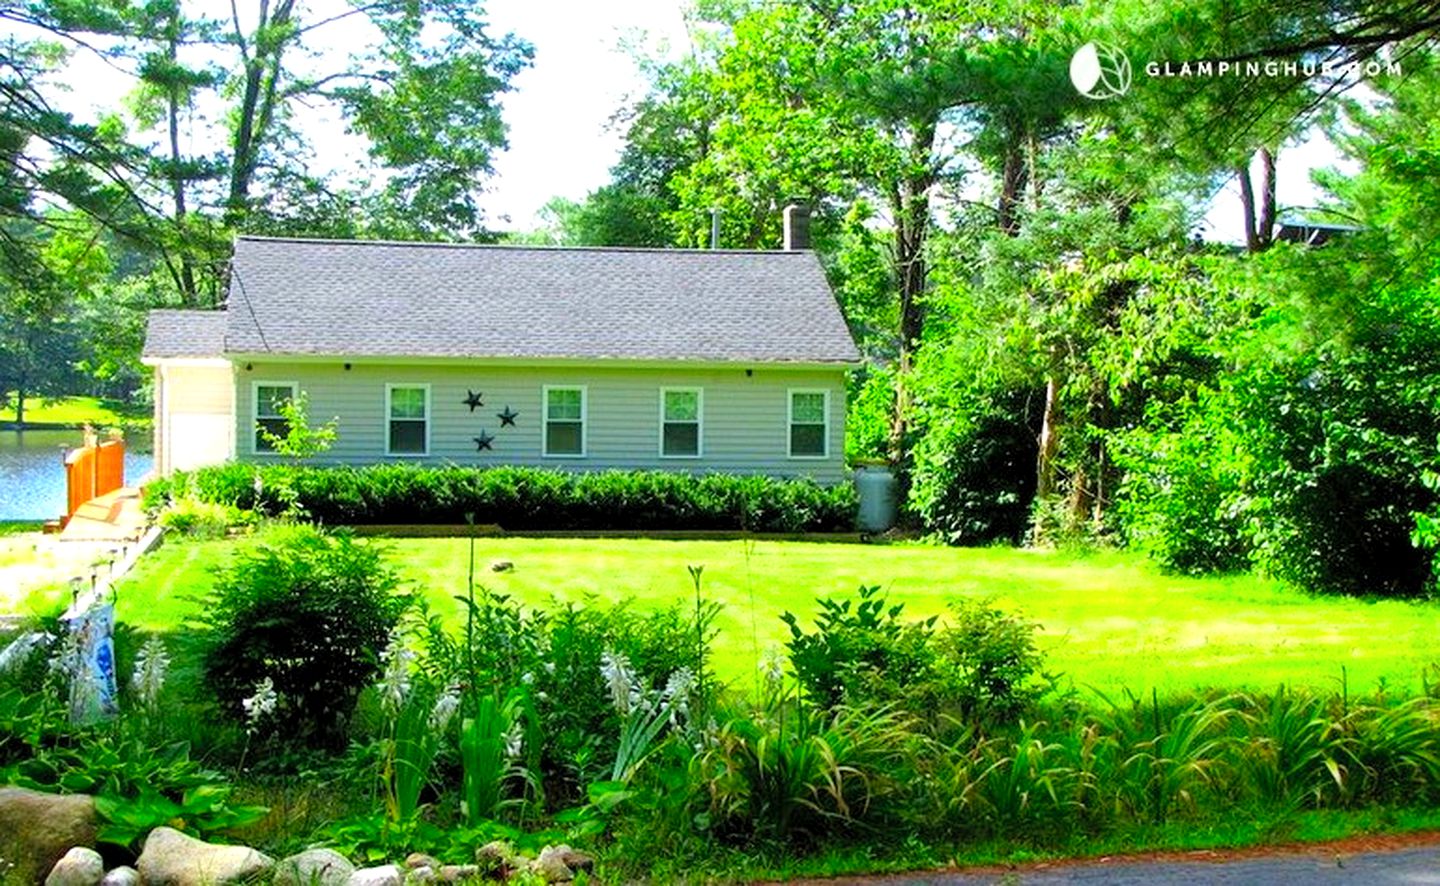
x,y
910,230
1049,441
188,290
1266,226
1259,222
20,405
911,204
1247,207
1012,184
257,101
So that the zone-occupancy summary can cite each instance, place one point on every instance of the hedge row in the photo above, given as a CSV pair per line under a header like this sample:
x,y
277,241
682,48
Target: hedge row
x,y
520,498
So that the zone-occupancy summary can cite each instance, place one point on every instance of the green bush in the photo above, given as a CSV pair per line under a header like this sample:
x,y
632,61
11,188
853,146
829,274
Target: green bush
x,y
989,663
974,476
556,656
1343,442
983,667
295,629
202,519
860,651
519,498
1183,498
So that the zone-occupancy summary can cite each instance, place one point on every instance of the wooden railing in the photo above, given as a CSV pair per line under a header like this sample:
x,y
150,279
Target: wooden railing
x,y
93,470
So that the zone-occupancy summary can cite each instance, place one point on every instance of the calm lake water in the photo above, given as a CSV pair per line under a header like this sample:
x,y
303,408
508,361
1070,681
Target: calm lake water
x,y
32,476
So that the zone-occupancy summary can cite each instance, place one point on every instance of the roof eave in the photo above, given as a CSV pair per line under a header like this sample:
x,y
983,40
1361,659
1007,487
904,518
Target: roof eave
x,y
573,362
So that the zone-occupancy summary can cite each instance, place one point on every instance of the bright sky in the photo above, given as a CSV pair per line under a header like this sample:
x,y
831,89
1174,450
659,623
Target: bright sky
x,y
561,143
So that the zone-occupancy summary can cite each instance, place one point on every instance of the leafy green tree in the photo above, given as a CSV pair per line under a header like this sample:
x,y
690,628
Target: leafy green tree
x,y
41,273
301,440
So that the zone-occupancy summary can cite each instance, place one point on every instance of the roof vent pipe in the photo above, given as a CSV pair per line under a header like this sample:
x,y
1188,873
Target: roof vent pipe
x,y
715,228
797,227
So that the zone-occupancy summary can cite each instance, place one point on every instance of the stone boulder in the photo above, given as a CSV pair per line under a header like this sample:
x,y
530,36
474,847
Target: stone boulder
x,y
122,876
81,866
496,859
171,858
385,875
558,864
421,860
314,867
37,829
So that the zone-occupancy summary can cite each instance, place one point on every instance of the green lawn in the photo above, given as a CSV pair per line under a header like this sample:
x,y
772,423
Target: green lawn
x,y
1110,620
75,411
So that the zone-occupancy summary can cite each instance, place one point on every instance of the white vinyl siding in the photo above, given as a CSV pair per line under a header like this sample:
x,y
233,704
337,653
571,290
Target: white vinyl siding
x,y
194,414
809,423
746,429
682,422
564,421
268,398
407,419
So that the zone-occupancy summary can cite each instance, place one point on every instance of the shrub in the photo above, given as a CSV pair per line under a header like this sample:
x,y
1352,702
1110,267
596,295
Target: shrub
x,y
983,667
1340,476
557,657
989,663
1182,499
202,519
296,627
861,651
974,477
520,498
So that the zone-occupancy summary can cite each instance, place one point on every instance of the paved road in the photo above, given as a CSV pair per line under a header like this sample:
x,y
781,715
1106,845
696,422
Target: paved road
x,y
1410,867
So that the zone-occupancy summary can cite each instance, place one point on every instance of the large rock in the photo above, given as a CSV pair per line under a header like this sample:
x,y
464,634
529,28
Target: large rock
x,y
81,866
385,875
558,864
551,866
171,858
496,859
314,867
37,829
122,876
421,860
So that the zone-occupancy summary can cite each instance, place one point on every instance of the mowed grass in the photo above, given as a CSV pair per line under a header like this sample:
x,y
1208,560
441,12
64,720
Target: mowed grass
x,y
1110,621
75,411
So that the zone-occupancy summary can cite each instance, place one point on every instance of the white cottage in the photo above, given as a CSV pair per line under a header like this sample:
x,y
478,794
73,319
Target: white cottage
x,y
580,359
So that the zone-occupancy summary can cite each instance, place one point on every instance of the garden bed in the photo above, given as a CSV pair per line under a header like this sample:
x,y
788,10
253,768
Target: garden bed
x,y
657,705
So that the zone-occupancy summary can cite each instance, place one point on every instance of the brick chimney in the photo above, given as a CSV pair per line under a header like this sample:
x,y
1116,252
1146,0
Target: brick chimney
x,y
797,227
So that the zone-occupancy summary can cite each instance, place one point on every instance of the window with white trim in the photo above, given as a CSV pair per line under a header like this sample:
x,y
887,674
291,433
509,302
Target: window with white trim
x,y
407,414
270,397
680,422
809,424
564,421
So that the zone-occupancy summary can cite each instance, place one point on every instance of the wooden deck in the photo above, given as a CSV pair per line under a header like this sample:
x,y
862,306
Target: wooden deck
x,y
115,516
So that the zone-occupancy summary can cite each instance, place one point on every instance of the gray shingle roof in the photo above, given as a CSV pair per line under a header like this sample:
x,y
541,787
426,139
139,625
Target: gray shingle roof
x,y
174,334
358,298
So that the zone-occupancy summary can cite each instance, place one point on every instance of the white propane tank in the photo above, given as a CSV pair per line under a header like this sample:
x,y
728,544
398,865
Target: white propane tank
x,y
876,488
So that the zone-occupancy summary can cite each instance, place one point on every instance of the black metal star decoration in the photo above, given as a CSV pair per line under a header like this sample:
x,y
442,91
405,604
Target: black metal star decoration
x,y
483,441
507,418
473,399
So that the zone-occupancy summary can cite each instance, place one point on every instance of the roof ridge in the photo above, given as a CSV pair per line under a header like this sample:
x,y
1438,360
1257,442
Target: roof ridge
x,y
520,247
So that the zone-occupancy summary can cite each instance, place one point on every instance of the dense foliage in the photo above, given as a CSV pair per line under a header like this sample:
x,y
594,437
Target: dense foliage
x,y
520,498
1058,355
294,631
981,668
601,725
